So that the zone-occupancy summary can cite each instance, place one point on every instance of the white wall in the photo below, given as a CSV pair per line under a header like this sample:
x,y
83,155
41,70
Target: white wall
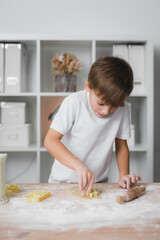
x,y
100,17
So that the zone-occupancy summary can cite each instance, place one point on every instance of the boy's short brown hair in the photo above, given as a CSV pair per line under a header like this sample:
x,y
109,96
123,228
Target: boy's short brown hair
x,y
112,80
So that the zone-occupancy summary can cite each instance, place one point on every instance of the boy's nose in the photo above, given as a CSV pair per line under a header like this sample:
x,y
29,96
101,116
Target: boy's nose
x,y
106,110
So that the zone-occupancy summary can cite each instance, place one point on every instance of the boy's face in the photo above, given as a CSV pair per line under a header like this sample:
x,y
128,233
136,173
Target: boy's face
x,y
99,108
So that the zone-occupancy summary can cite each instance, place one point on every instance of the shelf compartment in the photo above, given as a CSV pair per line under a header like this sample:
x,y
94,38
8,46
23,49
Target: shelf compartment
x,y
139,164
46,163
21,167
105,48
30,65
81,49
48,105
31,112
139,118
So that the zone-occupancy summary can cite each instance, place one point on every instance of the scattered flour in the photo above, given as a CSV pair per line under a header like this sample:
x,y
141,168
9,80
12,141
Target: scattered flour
x,y
69,212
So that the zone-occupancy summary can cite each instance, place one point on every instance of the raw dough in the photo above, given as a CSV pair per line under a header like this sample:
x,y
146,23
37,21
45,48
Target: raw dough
x,y
11,189
74,191
36,196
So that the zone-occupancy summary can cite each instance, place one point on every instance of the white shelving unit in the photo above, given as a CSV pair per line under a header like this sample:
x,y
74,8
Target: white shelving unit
x,y
33,163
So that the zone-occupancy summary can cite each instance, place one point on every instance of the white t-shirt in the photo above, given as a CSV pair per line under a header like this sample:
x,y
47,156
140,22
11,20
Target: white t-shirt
x,y
89,137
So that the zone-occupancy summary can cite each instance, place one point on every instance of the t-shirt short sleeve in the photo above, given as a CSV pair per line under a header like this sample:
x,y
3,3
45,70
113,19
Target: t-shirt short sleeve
x,y
124,128
64,118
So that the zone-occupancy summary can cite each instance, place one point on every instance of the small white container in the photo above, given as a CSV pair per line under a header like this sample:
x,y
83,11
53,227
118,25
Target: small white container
x,y
136,60
121,51
15,135
13,113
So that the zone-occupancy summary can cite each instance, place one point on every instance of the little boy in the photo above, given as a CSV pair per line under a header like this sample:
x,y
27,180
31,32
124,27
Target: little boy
x,y
82,134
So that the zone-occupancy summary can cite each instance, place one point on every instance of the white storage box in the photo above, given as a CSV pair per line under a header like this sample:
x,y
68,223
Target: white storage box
x,y
13,113
15,135
121,51
135,56
15,68
1,67
136,60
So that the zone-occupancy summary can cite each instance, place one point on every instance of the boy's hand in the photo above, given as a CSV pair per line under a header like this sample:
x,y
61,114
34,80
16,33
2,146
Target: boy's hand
x,y
129,180
86,179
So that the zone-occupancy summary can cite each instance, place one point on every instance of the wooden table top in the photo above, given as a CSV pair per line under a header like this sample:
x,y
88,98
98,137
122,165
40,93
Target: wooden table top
x,y
62,216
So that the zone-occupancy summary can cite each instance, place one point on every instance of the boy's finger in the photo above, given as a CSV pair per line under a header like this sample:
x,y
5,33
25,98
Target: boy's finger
x,y
133,178
85,181
90,186
136,177
122,183
88,189
128,182
139,178
87,186
80,183
85,190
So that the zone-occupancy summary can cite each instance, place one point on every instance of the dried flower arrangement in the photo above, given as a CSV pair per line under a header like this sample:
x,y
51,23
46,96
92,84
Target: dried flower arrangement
x,y
65,63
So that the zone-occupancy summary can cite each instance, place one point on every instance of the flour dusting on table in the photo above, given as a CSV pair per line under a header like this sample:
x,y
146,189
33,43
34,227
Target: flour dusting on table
x,y
68,212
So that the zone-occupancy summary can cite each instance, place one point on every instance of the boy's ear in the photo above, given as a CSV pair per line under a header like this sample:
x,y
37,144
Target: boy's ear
x,y
87,86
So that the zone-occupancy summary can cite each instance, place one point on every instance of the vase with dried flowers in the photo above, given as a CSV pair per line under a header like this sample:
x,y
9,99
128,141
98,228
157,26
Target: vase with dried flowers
x,y
66,64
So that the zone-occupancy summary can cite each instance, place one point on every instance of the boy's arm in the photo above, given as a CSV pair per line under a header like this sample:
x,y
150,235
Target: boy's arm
x,y
122,155
57,149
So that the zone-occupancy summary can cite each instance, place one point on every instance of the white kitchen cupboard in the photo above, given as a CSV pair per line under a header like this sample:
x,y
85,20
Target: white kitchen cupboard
x,y
33,163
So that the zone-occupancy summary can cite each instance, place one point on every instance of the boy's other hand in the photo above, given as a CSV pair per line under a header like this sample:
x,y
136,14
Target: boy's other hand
x,y
86,179
128,180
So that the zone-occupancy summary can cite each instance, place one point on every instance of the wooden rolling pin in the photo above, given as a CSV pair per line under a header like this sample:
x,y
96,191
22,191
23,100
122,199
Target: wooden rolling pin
x,y
131,194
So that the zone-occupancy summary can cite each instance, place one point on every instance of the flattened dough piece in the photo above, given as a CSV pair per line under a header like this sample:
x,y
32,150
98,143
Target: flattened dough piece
x,y
11,189
74,191
36,196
